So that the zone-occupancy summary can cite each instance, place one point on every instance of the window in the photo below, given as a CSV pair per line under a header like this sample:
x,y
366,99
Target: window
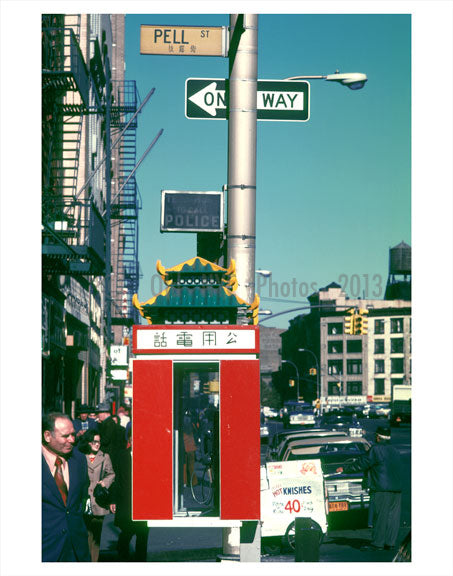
x,y
396,325
334,388
397,365
379,386
397,345
353,346
354,388
335,328
397,381
379,346
379,326
335,367
335,346
354,366
379,366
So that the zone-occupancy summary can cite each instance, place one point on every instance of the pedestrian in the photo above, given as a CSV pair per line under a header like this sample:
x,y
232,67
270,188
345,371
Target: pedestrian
x,y
383,462
123,415
100,471
83,422
112,440
122,508
64,492
318,407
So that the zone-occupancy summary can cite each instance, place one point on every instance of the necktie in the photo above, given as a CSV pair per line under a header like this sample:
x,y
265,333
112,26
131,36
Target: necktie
x,y
59,479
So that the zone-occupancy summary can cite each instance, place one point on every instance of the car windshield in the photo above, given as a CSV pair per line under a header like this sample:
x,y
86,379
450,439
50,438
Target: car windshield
x,y
300,410
330,461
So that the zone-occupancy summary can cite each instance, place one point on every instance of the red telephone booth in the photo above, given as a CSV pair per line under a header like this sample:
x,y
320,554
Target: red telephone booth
x,y
196,421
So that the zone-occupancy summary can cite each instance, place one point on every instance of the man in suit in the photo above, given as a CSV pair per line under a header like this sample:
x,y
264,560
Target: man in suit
x,y
64,492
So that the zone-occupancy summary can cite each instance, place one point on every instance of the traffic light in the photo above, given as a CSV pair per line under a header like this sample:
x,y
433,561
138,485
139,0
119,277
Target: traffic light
x,y
363,313
358,324
349,324
312,371
291,383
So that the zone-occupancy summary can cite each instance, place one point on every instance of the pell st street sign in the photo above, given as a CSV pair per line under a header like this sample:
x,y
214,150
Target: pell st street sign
x,y
184,40
277,100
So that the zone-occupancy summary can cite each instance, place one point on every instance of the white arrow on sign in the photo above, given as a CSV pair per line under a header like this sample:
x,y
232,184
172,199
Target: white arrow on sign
x,y
210,100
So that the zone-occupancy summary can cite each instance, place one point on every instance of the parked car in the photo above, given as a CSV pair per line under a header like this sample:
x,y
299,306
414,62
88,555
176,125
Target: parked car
x,y
379,411
347,493
298,414
270,412
281,440
264,433
343,421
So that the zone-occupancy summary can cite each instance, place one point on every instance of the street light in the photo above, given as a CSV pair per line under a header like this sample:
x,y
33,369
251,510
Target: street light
x,y
265,313
318,391
353,80
297,374
263,273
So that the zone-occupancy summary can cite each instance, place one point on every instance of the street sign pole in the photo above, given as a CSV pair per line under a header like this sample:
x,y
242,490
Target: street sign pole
x,y
242,152
242,197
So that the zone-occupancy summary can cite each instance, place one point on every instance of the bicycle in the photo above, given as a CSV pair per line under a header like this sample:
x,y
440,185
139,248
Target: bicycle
x,y
202,491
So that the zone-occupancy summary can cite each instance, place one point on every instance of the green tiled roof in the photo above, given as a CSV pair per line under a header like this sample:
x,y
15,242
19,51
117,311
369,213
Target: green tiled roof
x,y
194,296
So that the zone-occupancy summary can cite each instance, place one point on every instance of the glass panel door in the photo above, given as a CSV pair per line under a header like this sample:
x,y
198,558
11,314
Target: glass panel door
x,y
196,438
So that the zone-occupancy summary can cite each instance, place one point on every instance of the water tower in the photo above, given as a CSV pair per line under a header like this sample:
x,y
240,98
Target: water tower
x,y
400,279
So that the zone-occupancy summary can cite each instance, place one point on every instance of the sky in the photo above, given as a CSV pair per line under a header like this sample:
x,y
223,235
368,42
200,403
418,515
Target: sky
x,y
333,193
349,137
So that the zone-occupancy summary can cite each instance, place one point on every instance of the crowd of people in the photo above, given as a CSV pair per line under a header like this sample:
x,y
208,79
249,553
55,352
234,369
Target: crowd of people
x,y
87,474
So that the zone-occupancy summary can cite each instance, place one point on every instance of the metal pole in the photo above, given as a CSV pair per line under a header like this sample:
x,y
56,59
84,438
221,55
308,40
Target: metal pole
x,y
243,57
108,153
145,154
242,151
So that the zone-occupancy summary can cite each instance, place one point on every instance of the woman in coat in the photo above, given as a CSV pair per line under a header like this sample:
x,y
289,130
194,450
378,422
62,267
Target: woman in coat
x,y
100,471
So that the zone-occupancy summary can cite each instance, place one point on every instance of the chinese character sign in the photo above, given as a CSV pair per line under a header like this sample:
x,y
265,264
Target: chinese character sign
x,y
201,339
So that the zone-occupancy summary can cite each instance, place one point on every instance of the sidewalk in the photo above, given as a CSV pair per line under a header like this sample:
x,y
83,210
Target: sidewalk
x,y
205,545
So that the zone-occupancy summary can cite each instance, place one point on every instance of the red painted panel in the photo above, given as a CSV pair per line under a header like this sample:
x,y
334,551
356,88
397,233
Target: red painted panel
x,y
239,439
152,410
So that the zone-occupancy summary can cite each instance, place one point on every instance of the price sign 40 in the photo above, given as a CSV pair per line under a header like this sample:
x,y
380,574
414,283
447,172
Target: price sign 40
x,y
293,506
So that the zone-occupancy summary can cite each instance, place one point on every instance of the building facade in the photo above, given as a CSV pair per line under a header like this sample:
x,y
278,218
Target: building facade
x,y
82,113
350,368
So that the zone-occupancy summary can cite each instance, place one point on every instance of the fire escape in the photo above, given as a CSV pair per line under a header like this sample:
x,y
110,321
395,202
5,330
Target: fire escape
x,y
126,203
73,230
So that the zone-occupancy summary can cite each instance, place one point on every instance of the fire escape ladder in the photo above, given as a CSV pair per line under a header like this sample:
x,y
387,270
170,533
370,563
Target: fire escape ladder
x,y
73,229
125,206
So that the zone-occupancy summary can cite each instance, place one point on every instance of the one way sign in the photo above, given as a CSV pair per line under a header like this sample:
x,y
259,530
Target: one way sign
x,y
277,100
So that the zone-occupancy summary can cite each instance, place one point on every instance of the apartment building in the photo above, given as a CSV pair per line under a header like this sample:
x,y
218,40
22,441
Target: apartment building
x,y
86,246
352,368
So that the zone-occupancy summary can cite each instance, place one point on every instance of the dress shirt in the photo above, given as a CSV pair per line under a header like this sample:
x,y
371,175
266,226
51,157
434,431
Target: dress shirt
x,y
50,459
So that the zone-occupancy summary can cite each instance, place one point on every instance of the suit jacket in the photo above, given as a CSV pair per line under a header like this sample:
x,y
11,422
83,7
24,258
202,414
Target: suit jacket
x,y
94,474
63,527
122,494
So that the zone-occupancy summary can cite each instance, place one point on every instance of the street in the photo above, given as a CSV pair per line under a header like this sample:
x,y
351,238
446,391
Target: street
x,y
342,543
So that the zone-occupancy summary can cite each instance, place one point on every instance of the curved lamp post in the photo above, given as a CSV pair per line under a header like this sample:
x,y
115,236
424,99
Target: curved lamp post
x,y
353,80
318,391
297,374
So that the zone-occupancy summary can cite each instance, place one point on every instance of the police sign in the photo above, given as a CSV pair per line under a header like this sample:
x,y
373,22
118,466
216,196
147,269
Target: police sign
x,y
191,211
276,100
